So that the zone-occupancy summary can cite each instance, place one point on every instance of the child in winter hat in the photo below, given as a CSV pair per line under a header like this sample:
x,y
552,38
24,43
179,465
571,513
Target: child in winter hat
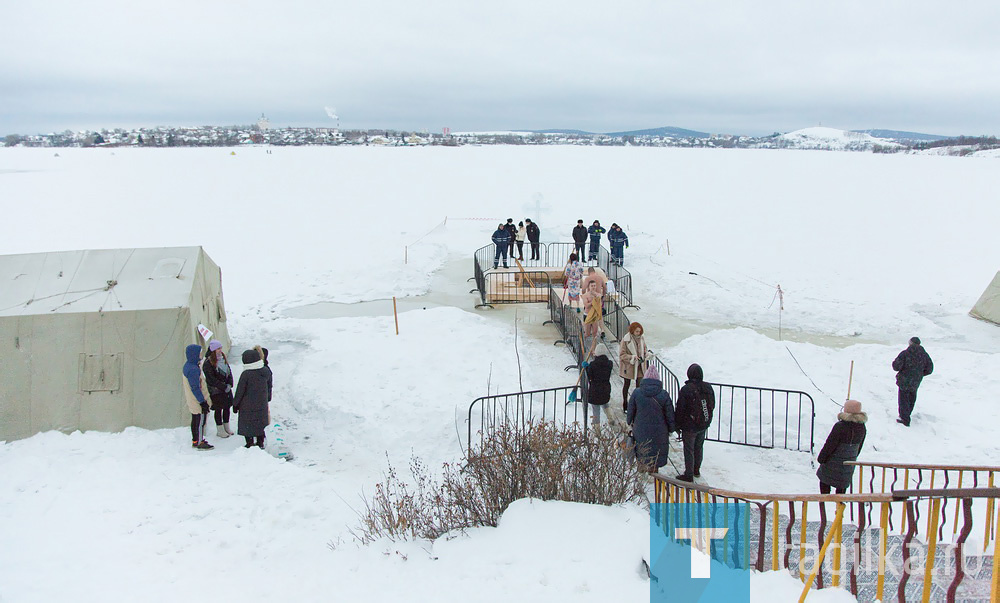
x,y
651,373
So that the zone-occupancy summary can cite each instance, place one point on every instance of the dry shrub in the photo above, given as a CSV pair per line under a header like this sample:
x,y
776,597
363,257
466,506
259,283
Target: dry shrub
x,y
539,460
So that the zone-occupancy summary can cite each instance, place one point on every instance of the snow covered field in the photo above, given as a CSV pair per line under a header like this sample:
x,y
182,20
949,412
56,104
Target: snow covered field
x,y
868,249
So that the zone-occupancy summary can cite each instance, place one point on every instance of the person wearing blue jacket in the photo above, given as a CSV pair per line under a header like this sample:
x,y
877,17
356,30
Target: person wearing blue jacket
x,y
196,395
618,241
595,231
651,417
501,239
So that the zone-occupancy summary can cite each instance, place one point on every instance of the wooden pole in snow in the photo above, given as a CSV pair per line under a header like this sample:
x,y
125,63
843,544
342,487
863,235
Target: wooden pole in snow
x,y
394,315
850,378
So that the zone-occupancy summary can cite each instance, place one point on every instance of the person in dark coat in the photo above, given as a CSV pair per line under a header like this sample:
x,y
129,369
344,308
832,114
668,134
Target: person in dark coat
x,y
599,385
695,407
579,238
251,399
501,239
267,370
512,231
618,241
843,444
911,366
534,236
651,416
219,378
595,231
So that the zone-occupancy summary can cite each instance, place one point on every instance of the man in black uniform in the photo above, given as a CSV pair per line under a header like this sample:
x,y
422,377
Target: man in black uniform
x,y
533,237
579,237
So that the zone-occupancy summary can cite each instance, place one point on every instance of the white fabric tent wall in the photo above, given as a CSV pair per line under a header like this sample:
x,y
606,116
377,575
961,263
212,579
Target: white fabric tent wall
x,y
79,352
988,306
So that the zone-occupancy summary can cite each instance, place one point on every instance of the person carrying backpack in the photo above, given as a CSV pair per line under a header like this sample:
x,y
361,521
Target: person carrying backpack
x,y
695,407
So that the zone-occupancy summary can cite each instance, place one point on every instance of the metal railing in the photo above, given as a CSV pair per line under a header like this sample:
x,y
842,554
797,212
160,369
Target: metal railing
x,y
521,409
763,417
773,531
551,256
879,477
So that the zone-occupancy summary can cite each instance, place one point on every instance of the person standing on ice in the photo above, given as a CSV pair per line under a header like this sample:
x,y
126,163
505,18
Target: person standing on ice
x,y
513,235
618,241
911,366
501,240
251,400
519,239
695,406
579,238
650,414
595,231
219,379
633,358
842,445
196,396
534,236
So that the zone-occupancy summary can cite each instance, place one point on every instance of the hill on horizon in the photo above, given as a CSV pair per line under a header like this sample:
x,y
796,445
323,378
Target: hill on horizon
x,y
903,135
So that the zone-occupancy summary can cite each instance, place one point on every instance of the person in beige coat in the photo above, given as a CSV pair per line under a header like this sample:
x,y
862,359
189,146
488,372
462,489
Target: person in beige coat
x,y
633,359
196,396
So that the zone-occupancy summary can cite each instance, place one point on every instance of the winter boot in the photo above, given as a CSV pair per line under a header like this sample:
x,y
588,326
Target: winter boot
x,y
203,445
221,432
228,430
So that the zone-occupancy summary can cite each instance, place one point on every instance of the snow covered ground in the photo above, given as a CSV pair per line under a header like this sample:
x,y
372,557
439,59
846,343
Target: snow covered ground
x,y
868,249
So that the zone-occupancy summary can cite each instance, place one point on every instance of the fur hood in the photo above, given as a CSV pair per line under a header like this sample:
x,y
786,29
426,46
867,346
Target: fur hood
x,y
860,417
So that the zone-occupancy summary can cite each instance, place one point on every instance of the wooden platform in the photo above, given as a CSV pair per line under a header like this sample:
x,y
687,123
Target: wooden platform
x,y
555,274
511,285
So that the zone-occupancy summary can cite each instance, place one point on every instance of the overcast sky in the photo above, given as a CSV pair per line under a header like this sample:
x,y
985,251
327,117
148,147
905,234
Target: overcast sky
x,y
744,66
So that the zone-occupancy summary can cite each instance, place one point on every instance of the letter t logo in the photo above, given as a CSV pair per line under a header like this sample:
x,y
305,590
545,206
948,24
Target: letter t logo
x,y
701,540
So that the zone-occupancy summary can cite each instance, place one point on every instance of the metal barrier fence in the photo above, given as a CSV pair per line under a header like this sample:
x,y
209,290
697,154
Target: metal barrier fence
x,y
551,255
872,559
520,409
751,416
763,417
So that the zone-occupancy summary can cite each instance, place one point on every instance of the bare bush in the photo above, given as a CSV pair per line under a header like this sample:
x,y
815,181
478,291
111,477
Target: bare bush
x,y
539,460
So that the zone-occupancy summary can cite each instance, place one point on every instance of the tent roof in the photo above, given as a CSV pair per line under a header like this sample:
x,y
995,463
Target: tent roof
x,y
97,280
988,306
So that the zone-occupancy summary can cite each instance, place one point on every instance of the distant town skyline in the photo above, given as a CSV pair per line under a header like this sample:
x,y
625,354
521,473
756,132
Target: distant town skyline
x,y
717,67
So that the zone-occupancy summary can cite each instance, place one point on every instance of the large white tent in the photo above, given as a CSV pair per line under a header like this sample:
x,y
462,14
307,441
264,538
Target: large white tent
x,y
988,306
95,339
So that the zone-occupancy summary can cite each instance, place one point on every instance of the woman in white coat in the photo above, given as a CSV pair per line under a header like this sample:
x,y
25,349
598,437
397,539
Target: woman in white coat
x,y
633,359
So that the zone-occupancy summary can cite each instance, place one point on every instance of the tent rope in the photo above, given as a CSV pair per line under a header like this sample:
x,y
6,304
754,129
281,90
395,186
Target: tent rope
x,y
131,351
